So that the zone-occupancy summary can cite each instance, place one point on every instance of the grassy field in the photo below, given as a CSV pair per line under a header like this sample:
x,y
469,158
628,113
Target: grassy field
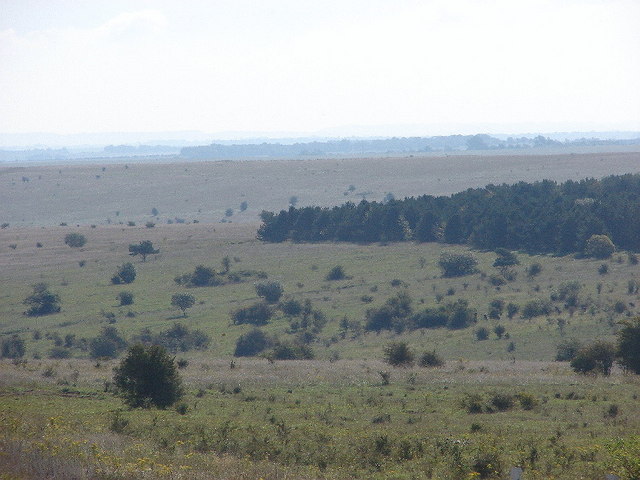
x,y
495,403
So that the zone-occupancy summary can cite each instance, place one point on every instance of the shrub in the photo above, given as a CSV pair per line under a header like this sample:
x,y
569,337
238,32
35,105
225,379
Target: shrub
x,y
597,356
336,273
126,273
291,307
460,314
534,269
398,354
599,246
481,334
176,338
603,269
42,301
59,353
12,347
430,318
125,298
505,258
567,350
499,330
431,359
75,240
527,401
496,307
148,376
252,343
457,265
502,401
256,314
271,291
629,345
108,344
512,310
291,351
536,308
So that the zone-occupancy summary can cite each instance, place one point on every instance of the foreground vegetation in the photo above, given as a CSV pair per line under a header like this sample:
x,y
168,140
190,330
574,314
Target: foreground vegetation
x,y
317,419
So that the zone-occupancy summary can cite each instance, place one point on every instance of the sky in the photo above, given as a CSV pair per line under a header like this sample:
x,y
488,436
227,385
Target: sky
x,y
328,67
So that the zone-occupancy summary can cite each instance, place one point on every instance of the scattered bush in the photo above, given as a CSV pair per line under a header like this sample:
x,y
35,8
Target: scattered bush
x,y
252,343
536,308
505,258
499,330
481,334
512,310
291,351
108,344
42,301
598,356
502,402
291,307
271,291
12,347
567,350
59,353
126,273
534,269
603,269
398,354
336,273
125,298
430,359
457,265
496,307
183,301
256,314
148,376
628,345
599,246
75,240
177,338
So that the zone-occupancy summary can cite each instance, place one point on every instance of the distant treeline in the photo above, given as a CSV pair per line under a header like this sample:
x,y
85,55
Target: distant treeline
x,y
540,217
449,143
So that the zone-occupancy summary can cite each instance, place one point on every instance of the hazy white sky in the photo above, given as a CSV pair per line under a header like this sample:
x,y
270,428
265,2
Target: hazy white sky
x,y
343,67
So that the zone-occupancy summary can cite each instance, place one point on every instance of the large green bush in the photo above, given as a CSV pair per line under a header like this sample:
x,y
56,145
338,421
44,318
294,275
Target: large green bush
x,y
148,376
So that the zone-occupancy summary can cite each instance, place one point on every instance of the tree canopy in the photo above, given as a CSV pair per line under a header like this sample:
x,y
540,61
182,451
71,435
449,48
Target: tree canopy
x,y
540,217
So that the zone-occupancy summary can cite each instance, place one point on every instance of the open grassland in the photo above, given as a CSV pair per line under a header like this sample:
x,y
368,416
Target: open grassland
x,y
374,274
92,193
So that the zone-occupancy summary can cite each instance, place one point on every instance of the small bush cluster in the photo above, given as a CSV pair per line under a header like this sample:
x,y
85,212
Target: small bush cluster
x,y
178,338
126,273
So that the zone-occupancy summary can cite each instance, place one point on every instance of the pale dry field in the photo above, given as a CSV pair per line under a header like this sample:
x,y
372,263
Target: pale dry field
x,y
96,193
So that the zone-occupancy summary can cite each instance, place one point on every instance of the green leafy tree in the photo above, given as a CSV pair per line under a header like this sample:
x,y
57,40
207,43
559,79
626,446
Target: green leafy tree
x,y
75,240
147,377
42,301
183,301
629,345
143,249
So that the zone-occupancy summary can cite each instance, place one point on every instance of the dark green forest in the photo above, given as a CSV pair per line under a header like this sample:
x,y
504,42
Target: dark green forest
x,y
540,217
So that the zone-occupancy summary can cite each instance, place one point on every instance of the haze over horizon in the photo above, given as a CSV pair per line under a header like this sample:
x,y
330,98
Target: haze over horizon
x,y
332,69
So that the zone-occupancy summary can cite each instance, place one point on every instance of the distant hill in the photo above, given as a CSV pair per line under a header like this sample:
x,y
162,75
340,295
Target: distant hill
x,y
450,143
